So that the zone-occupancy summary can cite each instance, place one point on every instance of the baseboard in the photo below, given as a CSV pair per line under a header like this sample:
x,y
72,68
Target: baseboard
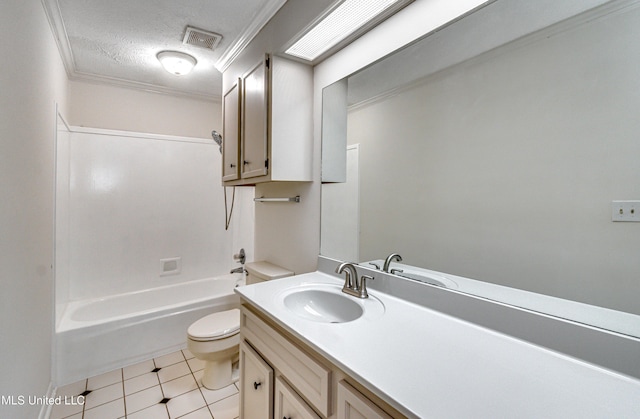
x,y
45,410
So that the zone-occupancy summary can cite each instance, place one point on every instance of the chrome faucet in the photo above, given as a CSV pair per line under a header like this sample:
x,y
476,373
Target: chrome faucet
x,y
353,286
389,259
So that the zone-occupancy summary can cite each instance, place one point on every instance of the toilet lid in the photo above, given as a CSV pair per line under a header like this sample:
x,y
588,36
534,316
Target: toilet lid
x,y
216,326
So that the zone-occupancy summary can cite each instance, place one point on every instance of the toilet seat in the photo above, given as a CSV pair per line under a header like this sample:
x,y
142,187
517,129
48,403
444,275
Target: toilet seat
x,y
215,326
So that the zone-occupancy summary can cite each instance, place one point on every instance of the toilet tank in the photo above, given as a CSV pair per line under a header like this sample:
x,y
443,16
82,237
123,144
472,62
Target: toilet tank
x,y
265,271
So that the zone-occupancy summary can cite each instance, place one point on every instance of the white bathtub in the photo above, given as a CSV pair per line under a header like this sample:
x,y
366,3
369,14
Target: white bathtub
x,y
99,335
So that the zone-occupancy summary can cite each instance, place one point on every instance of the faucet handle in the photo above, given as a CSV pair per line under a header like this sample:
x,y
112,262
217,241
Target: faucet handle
x,y
362,288
396,271
240,257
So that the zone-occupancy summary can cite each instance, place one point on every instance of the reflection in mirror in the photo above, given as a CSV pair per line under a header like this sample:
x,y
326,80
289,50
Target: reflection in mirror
x,y
503,167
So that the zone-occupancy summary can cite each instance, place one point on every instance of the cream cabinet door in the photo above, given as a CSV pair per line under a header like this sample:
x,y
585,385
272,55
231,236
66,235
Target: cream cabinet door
x,y
256,385
231,133
255,117
353,405
288,405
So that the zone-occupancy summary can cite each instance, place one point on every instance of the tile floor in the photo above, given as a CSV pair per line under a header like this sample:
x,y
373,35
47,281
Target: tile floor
x,y
166,387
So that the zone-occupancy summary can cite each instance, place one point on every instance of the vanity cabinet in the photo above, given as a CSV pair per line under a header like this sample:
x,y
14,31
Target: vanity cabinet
x,y
256,383
354,405
288,405
305,385
268,123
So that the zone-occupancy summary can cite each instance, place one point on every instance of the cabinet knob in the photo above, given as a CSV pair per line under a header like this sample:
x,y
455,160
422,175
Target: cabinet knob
x,y
284,417
245,162
256,385
232,165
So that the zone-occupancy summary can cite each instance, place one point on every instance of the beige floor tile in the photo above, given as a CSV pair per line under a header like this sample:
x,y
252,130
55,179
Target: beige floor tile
x,y
187,354
196,364
179,379
170,359
179,386
212,396
76,416
111,410
143,399
174,371
138,369
198,375
104,395
60,411
186,403
104,380
140,382
203,413
228,408
158,411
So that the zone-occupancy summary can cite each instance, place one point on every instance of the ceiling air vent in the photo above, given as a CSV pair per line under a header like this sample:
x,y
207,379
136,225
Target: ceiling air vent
x,y
200,38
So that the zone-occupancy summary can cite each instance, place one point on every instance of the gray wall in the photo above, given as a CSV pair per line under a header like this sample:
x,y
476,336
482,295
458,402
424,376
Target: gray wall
x,y
507,164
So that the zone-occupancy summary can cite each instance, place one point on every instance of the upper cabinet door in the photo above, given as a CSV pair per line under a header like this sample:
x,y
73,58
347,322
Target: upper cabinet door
x,y
255,116
231,133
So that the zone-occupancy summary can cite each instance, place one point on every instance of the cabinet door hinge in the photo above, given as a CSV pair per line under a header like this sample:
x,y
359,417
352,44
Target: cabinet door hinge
x,y
266,163
267,61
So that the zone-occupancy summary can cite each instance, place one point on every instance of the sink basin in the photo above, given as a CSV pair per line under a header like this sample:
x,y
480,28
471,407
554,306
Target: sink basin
x,y
431,279
323,306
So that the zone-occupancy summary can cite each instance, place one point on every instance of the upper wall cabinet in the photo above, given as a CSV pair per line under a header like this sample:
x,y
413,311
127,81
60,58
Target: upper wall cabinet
x,y
268,124
231,133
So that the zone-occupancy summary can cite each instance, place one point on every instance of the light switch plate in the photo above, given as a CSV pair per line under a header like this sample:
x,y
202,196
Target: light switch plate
x,y
625,211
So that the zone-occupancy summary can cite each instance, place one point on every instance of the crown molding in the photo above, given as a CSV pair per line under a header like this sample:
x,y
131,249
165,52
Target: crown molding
x,y
54,16
265,14
145,87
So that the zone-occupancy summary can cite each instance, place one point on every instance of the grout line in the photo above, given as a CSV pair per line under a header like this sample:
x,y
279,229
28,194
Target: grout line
x,y
124,396
84,405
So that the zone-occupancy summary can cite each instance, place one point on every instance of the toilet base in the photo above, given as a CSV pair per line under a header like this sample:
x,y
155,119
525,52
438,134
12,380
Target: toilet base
x,y
219,374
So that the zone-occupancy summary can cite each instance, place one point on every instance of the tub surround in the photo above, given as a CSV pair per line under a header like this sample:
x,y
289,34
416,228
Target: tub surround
x,y
426,363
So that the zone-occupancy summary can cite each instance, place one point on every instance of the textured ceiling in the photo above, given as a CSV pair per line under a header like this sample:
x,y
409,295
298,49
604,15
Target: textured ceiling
x,y
116,41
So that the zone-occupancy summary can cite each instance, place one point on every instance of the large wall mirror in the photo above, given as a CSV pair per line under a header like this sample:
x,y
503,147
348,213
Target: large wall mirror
x,y
501,167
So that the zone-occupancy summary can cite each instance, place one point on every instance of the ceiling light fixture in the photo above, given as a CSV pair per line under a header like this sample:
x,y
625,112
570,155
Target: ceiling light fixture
x,y
349,18
177,63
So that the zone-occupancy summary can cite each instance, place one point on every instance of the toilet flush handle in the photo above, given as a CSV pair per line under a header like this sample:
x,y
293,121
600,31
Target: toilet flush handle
x,y
256,385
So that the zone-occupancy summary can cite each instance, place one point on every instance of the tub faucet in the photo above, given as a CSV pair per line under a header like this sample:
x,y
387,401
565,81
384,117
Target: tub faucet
x,y
353,286
389,259
240,270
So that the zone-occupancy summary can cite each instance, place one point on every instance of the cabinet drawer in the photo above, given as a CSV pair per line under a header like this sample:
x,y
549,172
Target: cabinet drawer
x,y
303,372
288,405
256,384
354,405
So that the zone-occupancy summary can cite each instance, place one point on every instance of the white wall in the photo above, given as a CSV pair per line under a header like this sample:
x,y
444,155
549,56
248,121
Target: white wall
x,y
31,81
136,199
110,107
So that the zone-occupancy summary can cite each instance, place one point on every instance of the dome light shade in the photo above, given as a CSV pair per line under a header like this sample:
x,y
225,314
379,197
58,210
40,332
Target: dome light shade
x,y
177,63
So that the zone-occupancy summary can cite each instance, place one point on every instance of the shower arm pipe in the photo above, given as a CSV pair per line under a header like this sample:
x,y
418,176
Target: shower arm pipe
x,y
263,199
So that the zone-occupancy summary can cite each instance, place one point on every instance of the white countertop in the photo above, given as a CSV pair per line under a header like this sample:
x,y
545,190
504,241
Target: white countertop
x,y
428,364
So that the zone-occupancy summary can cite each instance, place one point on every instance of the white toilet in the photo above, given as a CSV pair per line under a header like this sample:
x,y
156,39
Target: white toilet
x,y
215,338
